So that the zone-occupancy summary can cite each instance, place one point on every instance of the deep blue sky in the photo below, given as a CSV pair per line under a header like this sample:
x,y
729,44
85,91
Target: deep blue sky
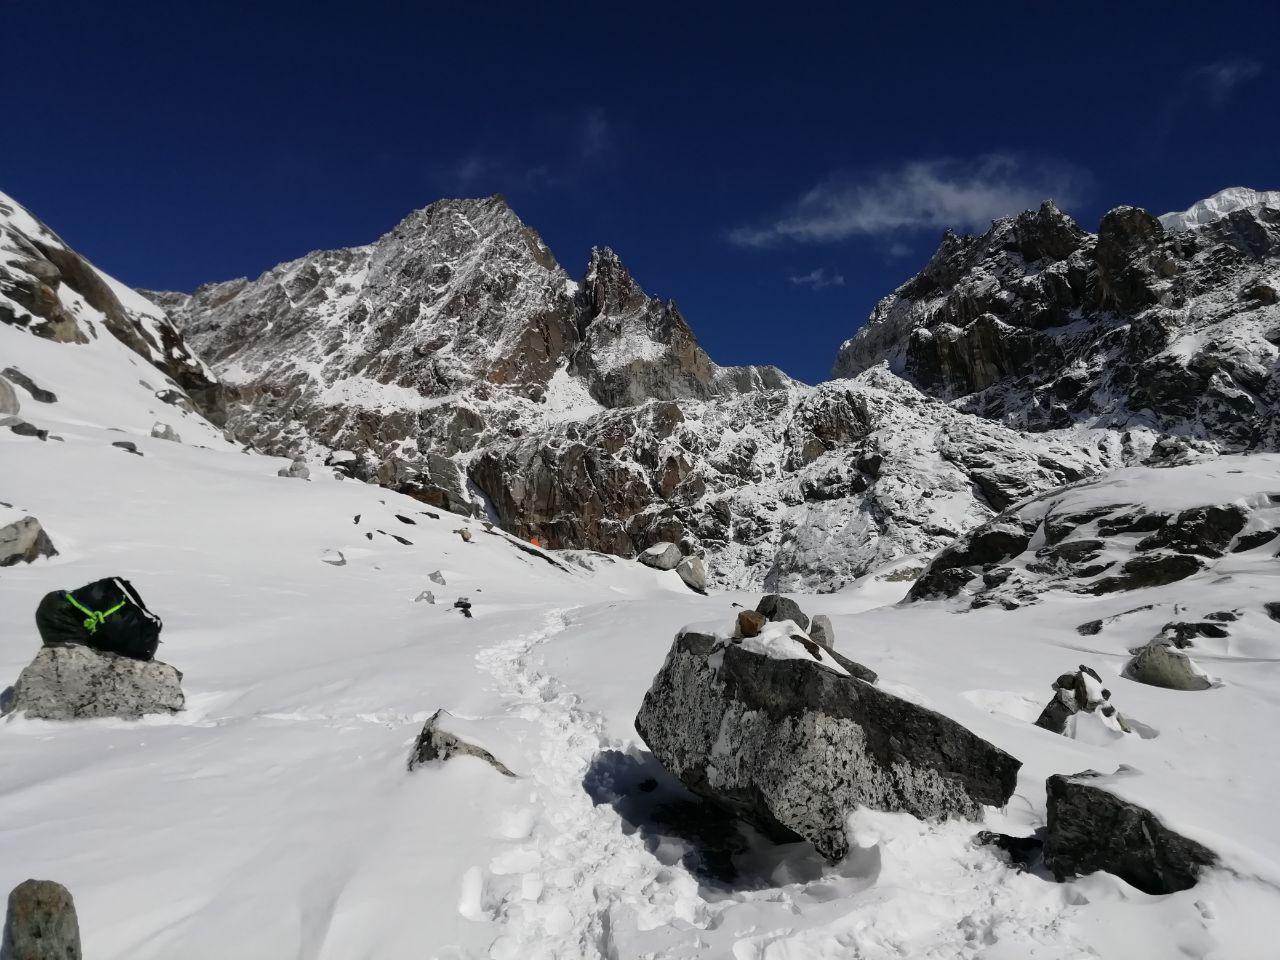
x,y
775,170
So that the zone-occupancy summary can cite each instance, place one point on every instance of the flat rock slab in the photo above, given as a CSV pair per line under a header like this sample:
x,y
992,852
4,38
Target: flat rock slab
x,y
792,746
1091,828
71,682
41,923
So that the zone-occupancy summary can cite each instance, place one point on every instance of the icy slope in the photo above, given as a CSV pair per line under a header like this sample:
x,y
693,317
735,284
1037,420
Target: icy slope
x,y
276,817
1219,205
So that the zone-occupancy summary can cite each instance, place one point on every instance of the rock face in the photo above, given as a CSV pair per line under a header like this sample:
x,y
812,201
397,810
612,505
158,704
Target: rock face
x,y
41,923
1039,324
780,733
661,556
50,291
436,742
78,683
1091,828
23,540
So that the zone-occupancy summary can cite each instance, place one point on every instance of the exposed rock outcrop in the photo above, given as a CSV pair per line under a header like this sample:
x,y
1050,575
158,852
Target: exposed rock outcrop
x,y
781,732
1092,828
71,682
22,540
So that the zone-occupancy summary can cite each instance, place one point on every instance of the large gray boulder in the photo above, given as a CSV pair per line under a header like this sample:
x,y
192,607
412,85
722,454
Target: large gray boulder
x,y
821,630
789,739
24,540
694,573
1091,828
8,399
297,470
72,682
41,923
162,431
1158,664
661,556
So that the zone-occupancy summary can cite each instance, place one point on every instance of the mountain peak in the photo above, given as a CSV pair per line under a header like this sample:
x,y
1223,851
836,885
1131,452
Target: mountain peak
x,y
1221,204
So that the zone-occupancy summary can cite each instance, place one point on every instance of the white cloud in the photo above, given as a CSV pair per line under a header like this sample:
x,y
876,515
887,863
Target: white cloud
x,y
920,195
818,279
1220,79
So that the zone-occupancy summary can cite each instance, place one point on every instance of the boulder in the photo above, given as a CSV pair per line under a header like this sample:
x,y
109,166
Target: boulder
x,y
128,446
41,923
694,573
782,733
436,742
778,608
1091,828
297,470
435,576
72,682
1159,664
426,596
38,393
23,541
8,399
821,631
749,624
661,556
1076,693
162,431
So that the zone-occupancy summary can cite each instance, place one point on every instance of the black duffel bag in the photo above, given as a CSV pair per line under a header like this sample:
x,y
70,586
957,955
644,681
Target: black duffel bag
x,y
107,615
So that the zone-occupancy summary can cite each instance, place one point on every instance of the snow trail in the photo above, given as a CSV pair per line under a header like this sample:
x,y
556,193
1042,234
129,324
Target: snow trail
x,y
577,875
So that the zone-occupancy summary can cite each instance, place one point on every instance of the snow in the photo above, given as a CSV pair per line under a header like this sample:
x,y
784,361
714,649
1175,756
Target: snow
x,y
275,817
1219,205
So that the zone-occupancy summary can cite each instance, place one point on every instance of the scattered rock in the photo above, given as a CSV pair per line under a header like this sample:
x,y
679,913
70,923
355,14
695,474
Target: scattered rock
x,y
463,604
750,623
1273,610
1251,541
778,608
72,682
1158,664
464,533
23,541
793,744
297,470
1182,634
661,556
1090,828
435,576
436,742
1090,629
8,399
425,596
162,431
128,446
1080,692
821,631
41,923
26,383
334,558
24,429
1148,570
408,520
694,573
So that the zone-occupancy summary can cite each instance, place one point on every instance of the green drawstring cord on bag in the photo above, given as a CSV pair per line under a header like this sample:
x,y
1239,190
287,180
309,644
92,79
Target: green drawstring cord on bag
x,y
94,617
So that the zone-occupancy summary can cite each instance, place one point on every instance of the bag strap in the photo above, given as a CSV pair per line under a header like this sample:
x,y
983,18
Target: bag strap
x,y
94,618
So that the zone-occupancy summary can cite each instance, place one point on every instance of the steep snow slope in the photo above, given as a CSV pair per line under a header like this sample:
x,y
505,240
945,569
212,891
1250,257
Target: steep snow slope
x,y
275,817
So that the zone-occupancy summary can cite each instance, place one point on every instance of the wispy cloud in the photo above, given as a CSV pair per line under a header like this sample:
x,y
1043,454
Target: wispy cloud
x,y
818,279
1219,80
920,195
588,141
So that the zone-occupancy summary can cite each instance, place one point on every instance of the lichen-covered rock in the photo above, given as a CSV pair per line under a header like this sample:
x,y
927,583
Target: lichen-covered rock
x,y
1159,664
437,742
23,540
40,923
71,682
1091,828
781,732
661,556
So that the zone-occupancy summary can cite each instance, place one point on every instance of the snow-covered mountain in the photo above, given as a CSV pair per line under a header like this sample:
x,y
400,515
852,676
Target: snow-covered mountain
x,y
1219,205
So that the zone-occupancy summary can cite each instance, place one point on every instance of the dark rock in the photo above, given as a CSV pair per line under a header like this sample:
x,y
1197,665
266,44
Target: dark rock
x,y
1249,541
23,541
1273,610
404,519
1090,629
1021,852
39,394
1072,694
41,923
70,682
1181,633
750,623
437,742
792,745
1090,829
778,608
821,631
1150,570
127,445
24,429
1202,530
463,604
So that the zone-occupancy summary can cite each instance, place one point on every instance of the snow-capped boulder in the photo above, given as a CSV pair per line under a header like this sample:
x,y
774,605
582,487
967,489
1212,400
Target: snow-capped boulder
x,y
22,539
782,732
40,923
1091,827
1158,664
72,682
661,556
693,572
1081,692
162,431
297,469
777,608
439,741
